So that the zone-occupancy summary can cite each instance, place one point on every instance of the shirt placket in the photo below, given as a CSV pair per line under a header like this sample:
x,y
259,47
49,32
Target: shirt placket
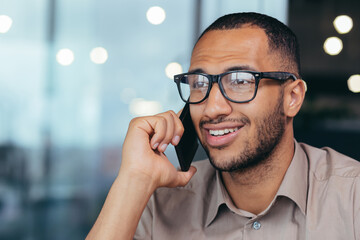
x,y
254,229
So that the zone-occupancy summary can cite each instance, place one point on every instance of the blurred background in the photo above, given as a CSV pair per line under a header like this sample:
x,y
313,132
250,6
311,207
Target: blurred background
x,y
74,72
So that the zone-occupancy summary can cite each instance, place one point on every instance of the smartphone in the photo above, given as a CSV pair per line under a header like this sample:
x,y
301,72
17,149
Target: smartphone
x,y
189,143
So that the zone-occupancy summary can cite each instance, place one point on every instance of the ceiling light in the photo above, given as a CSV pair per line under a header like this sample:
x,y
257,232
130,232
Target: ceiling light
x,y
354,83
65,57
173,69
343,24
156,15
5,23
142,107
333,45
98,55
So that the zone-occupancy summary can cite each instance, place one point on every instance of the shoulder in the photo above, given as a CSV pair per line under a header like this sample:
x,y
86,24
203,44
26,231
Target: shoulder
x,y
334,180
325,163
333,201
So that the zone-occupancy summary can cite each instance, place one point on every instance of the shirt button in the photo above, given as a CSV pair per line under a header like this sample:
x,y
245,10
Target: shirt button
x,y
256,225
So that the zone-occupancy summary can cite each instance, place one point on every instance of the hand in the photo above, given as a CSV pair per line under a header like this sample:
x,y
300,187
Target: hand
x,y
143,150
144,168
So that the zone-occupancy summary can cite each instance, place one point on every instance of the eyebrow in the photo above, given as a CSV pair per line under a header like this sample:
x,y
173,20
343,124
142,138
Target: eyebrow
x,y
234,68
241,67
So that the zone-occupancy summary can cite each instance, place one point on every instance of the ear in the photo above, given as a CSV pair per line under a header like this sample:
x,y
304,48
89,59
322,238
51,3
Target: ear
x,y
294,97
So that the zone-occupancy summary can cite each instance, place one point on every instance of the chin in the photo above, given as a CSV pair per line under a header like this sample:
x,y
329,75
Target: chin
x,y
224,162
245,158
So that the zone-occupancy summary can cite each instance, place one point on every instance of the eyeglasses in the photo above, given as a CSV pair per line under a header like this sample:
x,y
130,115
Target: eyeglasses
x,y
236,86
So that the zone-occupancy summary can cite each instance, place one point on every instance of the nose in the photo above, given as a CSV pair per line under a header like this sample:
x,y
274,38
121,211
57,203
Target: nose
x,y
216,104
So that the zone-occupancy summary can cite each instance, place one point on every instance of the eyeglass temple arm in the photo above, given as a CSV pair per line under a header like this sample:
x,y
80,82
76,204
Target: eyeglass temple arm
x,y
278,75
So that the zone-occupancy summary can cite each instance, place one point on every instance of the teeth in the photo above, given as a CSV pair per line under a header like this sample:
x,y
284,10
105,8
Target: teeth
x,y
222,132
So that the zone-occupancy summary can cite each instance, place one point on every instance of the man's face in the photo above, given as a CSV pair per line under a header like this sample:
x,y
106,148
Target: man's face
x,y
248,131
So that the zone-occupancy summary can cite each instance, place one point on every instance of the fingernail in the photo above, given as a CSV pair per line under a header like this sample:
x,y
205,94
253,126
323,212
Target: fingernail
x,y
155,145
176,140
163,147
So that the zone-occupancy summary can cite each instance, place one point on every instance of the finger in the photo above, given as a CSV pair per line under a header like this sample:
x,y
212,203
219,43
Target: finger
x,y
169,134
184,177
179,112
159,125
163,131
178,129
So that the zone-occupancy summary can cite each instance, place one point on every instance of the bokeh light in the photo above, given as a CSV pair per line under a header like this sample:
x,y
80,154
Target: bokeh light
x,y
156,15
98,55
343,24
333,45
354,83
173,69
65,57
5,23
142,107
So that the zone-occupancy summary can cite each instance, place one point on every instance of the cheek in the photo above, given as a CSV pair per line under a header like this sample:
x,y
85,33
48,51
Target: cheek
x,y
257,110
265,101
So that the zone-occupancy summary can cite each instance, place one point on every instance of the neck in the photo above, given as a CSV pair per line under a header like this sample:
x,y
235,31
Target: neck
x,y
253,189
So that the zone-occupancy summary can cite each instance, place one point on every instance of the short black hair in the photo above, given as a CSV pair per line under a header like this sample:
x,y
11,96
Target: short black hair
x,y
280,37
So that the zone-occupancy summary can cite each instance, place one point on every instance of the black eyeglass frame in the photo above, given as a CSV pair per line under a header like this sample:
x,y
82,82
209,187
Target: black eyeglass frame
x,y
280,76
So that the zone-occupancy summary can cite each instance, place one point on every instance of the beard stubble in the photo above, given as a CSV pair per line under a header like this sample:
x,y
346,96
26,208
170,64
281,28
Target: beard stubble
x,y
270,130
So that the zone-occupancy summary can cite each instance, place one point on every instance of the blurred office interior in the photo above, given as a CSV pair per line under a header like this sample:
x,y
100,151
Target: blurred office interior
x,y
74,72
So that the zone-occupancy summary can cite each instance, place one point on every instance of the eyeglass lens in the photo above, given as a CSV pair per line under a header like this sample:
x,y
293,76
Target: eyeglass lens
x,y
238,86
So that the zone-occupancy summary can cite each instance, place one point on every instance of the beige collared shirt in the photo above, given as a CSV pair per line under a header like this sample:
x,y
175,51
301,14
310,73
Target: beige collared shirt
x,y
319,198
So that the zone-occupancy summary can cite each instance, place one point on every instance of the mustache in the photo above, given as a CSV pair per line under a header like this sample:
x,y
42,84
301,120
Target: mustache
x,y
242,120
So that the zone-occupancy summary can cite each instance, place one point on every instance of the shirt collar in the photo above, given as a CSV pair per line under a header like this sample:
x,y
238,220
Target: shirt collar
x,y
295,182
217,198
294,185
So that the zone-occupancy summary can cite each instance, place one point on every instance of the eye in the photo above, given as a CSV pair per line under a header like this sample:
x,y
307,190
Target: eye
x,y
198,82
240,81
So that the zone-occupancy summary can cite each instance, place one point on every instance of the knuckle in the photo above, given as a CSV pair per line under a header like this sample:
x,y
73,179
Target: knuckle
x,y
134,121
169,136
180,125
162,119
168,114
181,128
172,112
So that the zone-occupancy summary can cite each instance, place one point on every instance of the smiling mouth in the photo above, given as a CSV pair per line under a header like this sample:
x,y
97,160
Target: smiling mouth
x,y
222,132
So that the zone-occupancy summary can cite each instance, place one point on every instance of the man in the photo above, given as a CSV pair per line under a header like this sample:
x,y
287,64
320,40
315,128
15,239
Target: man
x,y
259,183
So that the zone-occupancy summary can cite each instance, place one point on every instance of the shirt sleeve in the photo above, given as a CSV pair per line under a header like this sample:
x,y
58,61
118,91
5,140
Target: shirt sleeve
x,y
144,228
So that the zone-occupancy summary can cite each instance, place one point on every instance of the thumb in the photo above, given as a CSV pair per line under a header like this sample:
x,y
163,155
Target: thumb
x,y
179,112
184,177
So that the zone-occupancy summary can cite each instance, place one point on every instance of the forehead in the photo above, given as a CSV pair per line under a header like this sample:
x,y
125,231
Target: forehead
x,y
219,50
